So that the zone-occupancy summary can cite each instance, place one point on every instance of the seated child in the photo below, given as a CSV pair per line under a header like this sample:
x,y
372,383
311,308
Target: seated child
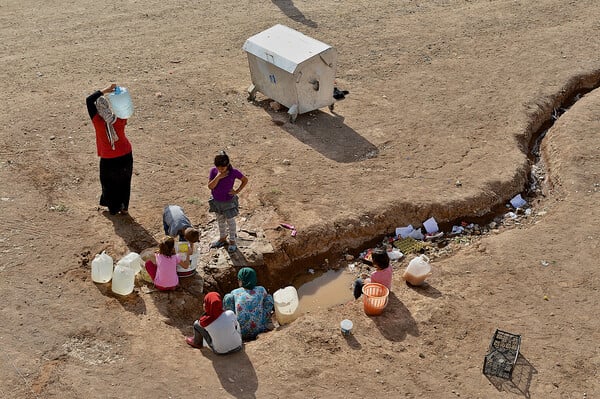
x,y
164,271
218,328
382,274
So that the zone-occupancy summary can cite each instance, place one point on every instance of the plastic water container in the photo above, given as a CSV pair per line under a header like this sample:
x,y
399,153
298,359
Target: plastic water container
x,y
120,102
375,298
123,280
418,270
286,304
182,247
102,268
346,327
133,260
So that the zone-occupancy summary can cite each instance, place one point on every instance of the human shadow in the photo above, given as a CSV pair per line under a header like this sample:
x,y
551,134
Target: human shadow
x,y
293,13
520,380
326,133
426,290
396,321
136,237
235,372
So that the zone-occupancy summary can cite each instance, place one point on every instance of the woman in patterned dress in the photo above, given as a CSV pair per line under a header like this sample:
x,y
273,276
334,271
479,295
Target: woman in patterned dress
x,y
251,303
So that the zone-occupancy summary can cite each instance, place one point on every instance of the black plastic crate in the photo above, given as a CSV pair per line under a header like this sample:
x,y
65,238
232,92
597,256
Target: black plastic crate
x,y
502,354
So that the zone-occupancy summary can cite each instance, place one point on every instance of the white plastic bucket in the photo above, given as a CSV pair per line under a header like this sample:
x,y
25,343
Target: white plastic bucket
x,y
181,247
286,304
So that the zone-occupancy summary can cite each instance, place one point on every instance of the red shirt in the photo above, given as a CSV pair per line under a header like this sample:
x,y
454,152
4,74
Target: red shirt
x,y
122,146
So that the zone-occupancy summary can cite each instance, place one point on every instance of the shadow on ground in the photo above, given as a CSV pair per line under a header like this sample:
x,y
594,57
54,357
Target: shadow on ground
x,y
396,321
520,380
325,133
293,13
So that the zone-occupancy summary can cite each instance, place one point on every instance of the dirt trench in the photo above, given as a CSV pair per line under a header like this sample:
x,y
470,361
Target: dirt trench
x,y
322,247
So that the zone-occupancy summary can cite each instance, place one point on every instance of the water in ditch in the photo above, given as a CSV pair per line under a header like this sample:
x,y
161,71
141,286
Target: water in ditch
x,y
327,289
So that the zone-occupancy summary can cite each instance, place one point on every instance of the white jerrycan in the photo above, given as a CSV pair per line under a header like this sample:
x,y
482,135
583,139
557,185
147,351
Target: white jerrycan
x,y
123,280
417,270
132,260
120,102
124,274
102,268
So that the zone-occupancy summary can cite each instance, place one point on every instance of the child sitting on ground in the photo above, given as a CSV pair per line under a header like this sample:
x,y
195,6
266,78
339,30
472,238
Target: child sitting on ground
x,y
164,271
383,272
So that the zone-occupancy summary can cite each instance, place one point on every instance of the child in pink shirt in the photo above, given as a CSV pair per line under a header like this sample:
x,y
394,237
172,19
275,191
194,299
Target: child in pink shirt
x,y
164,272
383,272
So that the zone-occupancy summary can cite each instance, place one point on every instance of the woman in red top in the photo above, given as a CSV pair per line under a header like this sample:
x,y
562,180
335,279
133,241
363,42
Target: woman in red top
x,y
114,150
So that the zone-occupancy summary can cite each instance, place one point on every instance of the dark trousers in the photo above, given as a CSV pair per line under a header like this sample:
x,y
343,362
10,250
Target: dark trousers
x,y
115,178
199,334
358,286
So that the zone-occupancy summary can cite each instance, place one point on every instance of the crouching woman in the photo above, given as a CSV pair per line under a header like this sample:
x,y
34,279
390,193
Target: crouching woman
x,y
216,328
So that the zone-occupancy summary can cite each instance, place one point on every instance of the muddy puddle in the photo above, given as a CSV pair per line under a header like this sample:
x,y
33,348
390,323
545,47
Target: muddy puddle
x,y
324,290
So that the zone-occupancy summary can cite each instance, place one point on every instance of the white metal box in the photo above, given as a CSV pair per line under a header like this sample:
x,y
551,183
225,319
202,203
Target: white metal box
x,y
291,68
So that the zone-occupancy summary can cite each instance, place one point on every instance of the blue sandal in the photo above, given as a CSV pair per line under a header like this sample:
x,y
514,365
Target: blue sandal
x,y
218,244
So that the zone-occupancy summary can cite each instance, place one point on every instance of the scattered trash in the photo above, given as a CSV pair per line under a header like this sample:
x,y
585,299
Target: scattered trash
x,y
403,232
545,263
394,254
289,227
433,236
366,256
456,230
518,201
311,271
416,234
431,226
409,245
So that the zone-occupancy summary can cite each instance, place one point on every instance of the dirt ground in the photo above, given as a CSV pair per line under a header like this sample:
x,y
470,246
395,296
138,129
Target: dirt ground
x,y
446,97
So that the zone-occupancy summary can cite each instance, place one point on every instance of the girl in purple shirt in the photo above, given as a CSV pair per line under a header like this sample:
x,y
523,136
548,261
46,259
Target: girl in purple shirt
x,y
224,199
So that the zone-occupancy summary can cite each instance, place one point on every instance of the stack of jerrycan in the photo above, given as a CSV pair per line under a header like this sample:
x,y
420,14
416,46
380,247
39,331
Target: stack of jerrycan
x,y
124,274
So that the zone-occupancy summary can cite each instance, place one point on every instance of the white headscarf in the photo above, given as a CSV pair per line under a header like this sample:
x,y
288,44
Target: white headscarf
x,y
106,113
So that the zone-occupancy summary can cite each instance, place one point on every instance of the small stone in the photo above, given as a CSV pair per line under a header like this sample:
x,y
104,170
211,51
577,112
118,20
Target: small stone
x,y
52,137
286,162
